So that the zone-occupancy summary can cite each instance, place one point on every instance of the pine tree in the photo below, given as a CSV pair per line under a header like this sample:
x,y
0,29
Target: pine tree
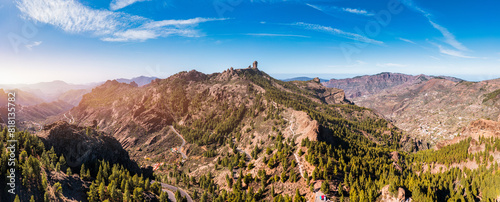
x,y
58,189
138,194
58,167
163,196
17,199
102,192
32,199
297,197
324,187
178,195
62,162
126,194
204,197
93,193
146,184
283,177
82,172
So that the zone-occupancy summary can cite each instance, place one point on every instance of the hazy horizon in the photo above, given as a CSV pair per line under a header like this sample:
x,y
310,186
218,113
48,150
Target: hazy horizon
x,y
281,76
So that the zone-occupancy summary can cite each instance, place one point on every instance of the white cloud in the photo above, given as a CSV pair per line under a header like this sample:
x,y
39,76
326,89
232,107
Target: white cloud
x,y
449,38
451,52
275,35
338,32
391,65
193,21
132,35
331,10
31,45
119,4
360,62
435,58
407,40
69,15
73,17
357,11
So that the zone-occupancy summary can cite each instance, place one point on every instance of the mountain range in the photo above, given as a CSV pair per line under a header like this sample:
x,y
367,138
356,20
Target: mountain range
x,y
429,107
241,135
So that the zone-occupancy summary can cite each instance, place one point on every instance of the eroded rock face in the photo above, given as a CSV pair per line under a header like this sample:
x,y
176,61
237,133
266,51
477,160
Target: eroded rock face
x,y
401,194
78,147
327,95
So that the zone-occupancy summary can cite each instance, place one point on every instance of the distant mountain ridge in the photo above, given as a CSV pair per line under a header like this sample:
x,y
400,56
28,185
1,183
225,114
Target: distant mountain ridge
x,y
433,108
140,81
372,84
48,91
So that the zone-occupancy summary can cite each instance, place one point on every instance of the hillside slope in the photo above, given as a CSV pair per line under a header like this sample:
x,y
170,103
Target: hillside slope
x,y
242,120
437,109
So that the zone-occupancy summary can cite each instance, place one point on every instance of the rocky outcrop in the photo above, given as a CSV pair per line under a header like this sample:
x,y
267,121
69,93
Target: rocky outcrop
x,y
396,162
401,194
79,147
325,94
485,128
475,130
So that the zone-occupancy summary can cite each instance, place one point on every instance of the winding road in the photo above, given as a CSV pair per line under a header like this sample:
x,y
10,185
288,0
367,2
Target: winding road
x,y
183,143
171,189
71,120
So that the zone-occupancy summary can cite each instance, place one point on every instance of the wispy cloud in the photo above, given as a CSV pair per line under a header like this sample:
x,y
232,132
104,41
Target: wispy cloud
x,y
391,65
132,35
31,45
193,21
357,11
407,40
276,35
119,4
338,32
449,38
452,52
333,10
435,58
358,63
73,17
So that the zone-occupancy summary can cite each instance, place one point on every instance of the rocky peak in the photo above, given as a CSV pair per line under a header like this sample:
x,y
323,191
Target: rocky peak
x,y
134,84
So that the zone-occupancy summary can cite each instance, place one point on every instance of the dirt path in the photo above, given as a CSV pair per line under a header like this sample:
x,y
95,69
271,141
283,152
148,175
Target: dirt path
x,y
295,154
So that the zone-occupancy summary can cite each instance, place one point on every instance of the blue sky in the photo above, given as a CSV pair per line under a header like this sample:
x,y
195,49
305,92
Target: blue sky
x,y
82,41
